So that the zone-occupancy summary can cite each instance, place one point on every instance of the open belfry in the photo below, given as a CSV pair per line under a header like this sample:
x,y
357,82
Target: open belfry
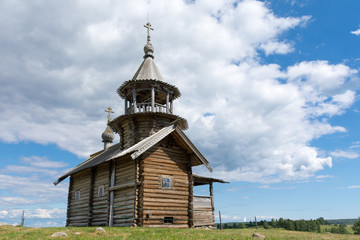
x,y
146,178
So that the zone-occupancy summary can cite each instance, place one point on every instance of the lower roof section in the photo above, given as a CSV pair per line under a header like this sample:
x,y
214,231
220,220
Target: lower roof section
x,y
139,148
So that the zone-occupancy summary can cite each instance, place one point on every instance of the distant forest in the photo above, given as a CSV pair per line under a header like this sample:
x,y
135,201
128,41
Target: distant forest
x,y
335,225
349,221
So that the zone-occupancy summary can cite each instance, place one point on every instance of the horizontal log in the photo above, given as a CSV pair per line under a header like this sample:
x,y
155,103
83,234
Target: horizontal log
x,y
159,204
166,226
178,170
156,213
166,191
154,171
164,195
120,186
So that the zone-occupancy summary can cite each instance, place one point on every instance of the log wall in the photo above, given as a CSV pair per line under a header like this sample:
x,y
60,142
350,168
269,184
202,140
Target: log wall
x,y
100,204
78,212
139,127
203,211
165,159
124,193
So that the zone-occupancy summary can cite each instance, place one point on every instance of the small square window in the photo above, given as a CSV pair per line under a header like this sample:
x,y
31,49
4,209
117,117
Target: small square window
x,y
168,219
166,182
101,191
77,195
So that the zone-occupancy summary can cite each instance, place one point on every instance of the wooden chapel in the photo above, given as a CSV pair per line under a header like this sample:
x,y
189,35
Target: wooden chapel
x,y
146,179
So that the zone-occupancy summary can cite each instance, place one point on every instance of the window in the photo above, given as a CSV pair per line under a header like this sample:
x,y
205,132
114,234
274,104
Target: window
x,y
166,182
77,195
101,191
168,219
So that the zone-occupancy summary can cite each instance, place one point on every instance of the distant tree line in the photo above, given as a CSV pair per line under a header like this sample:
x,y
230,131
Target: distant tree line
x,y
296,225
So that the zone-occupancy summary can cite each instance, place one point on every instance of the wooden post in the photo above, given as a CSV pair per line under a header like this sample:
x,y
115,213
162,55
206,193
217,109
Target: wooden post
x,y
171,106
135,193
256,223
22,218
112,183
68,211
134,100
220,221
91,195
125,107
211,189
153,99
191,194
167,102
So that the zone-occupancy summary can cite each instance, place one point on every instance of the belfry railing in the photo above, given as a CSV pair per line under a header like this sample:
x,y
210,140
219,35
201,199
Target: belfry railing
x,y
146,107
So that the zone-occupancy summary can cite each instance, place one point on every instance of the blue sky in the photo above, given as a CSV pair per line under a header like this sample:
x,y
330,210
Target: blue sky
x,y
270,90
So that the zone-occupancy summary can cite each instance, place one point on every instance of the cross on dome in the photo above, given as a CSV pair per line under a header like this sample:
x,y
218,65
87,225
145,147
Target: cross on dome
x,y
148,26
109,111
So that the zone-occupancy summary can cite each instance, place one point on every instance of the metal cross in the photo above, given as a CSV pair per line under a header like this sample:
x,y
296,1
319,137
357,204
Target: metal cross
x,y
148,26
109,111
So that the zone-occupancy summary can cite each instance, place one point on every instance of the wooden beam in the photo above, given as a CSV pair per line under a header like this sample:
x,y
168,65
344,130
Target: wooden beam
x,y
134,99
191,193
153,99
91,194
120,186
211,189
112,183
125,108
167,102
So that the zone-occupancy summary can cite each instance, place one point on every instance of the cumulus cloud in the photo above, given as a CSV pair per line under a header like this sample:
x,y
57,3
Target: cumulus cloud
x,y
253,121
356,32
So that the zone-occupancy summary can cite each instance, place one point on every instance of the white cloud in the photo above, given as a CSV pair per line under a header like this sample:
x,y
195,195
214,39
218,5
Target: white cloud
x,y
277,47
344,154
324,176
356,32
353,187
59,75
43,162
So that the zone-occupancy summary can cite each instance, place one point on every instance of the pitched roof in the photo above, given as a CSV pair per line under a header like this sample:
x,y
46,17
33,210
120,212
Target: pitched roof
x,y
148,71
139,148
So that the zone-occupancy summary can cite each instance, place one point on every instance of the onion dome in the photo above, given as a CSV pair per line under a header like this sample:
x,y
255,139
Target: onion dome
x,y
108,135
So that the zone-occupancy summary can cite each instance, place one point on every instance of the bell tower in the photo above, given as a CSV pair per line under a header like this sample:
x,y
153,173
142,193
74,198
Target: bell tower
x,y
148,102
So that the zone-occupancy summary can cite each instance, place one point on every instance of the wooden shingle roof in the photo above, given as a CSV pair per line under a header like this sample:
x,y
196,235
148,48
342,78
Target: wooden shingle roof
x,y
139,148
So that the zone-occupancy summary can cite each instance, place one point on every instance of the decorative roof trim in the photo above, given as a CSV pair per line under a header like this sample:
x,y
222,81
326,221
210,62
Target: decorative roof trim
x,y
173,88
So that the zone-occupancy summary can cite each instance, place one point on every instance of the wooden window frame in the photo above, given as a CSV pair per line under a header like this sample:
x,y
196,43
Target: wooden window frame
x,y
170,182
101,193
77,195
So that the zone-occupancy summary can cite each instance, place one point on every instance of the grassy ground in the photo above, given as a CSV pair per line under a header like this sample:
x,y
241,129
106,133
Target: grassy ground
x,y
9,232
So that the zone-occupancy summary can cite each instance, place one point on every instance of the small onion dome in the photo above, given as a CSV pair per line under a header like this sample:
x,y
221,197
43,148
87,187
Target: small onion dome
x,y
149,50
108,135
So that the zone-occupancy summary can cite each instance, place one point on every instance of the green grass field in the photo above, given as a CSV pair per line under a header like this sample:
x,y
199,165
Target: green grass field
x,y
9,232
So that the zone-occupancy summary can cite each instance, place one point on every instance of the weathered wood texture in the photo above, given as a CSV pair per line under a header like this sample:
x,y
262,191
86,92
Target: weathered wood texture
x,y
100,202
124,193
79,209
165,159
136,128
203,211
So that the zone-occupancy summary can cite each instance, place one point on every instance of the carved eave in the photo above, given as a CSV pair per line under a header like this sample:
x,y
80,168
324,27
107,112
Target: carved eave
x,y
127,87
114,124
